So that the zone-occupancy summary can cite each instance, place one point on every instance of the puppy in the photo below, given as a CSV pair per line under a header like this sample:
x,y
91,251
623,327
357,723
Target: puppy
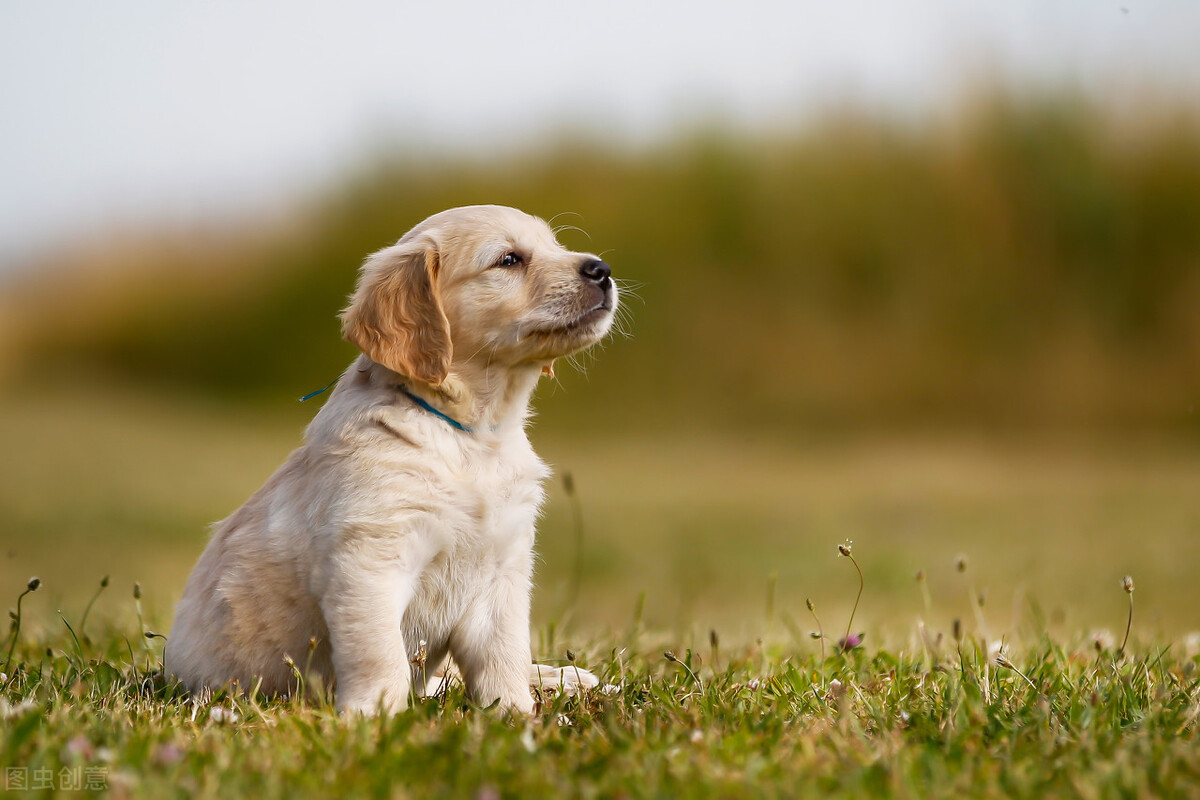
x,y
402,531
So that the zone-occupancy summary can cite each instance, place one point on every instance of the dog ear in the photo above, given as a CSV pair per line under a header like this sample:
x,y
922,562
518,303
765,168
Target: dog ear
x,y
395,315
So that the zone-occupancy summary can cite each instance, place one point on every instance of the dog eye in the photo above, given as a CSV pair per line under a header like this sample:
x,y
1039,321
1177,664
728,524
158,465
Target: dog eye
x,y
509,260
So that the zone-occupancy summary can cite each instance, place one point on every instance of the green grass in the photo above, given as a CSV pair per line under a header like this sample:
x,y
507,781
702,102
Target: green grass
x,y
1063,720
689,537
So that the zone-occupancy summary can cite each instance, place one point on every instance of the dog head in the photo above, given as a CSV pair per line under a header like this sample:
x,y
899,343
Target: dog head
x,y
479,283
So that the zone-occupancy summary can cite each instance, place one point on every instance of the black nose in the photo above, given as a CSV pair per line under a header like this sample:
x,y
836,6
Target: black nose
x,y
597,272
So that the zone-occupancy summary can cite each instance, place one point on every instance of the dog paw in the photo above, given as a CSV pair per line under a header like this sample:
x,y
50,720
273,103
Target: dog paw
x,y
568,679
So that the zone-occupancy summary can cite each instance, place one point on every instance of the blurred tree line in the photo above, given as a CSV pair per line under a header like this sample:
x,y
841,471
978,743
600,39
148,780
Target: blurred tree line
x,y
1031,261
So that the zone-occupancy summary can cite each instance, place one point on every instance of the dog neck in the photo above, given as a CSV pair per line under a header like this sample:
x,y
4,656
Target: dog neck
x,y
472,398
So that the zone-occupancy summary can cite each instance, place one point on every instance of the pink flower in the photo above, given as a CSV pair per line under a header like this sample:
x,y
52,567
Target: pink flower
x,y
850,641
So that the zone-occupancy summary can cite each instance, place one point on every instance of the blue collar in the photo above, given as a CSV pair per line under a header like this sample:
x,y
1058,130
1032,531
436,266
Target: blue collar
x,y
449,419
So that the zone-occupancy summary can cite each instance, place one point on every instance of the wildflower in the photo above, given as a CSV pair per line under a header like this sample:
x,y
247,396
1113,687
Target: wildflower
x,y
753,684
850,641
9,711
696,736
222,715
78,748
844,549
1127,585
34,583
610,689
1102,639
564,721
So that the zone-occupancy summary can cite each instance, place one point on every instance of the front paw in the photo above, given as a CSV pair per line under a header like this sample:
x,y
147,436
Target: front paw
x,y
568,679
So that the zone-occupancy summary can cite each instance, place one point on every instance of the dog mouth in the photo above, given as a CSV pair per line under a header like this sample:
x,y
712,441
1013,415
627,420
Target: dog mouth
x,y
593,315
591,324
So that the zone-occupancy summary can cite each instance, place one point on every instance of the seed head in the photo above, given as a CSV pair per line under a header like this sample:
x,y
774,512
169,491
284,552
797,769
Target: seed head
x,y
669,656
104,582
958,630
571,656
569,482
920,575
137,591
844,549
1127,584
33,584
713,640
808,602
816,635
960,563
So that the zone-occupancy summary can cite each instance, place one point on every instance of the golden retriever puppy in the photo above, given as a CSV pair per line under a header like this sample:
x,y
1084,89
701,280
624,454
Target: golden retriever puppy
x,y
402,531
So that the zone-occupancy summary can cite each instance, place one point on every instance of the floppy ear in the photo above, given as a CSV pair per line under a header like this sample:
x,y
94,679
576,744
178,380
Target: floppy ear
x,y
395,315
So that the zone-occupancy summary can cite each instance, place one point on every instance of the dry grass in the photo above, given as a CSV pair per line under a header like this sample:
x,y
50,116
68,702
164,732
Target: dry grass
x,y
123,483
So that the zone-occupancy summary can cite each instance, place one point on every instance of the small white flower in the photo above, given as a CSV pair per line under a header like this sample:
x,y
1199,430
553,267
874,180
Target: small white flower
x,y
564,721
222,715
753,683
610,689
527,740
697,736
8,711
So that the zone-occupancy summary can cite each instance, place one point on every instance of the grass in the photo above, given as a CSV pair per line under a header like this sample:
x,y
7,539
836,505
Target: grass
x,y
122,482
767,719
713,546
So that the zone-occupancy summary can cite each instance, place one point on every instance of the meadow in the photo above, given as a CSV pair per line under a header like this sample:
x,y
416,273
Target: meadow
x,y
966,349
86,710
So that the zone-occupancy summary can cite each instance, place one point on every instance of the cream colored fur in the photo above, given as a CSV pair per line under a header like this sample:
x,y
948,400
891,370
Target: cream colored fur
x,y
389,527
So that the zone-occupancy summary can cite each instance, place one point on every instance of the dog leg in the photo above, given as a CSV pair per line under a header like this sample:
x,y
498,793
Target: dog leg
x,y
491,645
363,608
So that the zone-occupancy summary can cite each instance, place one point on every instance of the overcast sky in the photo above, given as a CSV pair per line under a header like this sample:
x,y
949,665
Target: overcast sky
x,y
114,110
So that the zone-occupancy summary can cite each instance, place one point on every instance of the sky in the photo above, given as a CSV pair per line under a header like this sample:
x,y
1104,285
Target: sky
x,y
120,111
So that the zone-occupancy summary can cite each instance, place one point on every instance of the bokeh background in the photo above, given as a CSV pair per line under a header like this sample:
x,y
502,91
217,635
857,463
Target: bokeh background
x,y
921,276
